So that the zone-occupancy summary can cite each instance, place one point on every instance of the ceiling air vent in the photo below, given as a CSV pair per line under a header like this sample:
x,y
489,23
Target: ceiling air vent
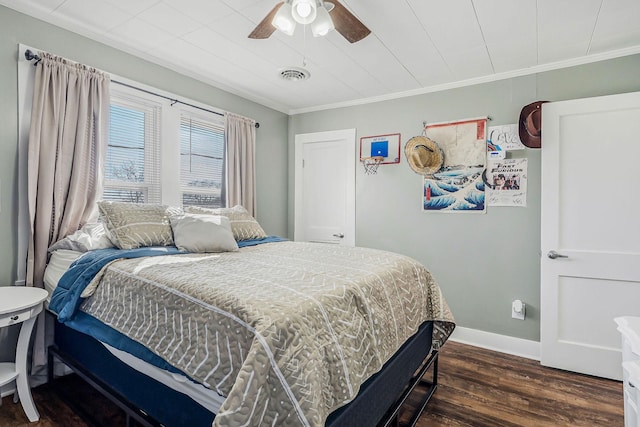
x,y
295,74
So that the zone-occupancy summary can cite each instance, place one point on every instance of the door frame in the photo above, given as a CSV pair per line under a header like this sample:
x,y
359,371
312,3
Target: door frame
x,y
349,137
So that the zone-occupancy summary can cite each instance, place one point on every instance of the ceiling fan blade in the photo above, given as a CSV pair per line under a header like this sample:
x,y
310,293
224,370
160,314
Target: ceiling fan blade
x,y
346,23
265,28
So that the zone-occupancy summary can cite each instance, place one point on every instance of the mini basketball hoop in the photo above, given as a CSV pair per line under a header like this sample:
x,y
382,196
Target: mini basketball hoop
x,y
371,164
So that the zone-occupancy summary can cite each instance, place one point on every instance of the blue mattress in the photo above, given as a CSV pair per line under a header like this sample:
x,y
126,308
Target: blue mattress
x,y
174,409
165,405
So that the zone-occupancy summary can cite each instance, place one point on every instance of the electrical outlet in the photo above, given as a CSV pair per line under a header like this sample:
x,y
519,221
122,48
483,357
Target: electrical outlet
x,y
517,309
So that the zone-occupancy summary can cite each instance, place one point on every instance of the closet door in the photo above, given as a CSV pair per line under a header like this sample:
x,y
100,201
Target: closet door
x,y
325,187
590,266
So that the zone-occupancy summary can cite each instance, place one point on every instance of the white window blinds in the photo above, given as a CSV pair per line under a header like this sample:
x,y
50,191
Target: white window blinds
x,y
132,164
163,152
201,161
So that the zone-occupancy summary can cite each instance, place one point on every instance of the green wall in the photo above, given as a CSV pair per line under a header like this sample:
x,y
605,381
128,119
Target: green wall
x,y
482,262
15,28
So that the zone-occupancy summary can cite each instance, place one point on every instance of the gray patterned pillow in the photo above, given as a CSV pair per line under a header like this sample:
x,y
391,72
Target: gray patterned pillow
x,y
243,225
135,225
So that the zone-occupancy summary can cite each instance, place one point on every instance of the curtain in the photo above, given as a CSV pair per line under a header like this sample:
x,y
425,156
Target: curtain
x,y
67,147
240,134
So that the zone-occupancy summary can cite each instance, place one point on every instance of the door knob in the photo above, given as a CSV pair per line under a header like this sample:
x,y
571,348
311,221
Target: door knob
x,y
554,255
339,235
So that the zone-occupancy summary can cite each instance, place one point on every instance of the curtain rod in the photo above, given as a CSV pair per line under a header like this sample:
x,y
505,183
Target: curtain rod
x,y
30,56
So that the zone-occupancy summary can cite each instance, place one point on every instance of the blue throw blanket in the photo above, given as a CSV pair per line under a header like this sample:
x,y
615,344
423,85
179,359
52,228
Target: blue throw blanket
x,y
66,299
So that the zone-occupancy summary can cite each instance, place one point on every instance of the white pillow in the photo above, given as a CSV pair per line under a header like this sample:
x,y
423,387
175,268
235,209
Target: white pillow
x,y
243,225
203,233
88,238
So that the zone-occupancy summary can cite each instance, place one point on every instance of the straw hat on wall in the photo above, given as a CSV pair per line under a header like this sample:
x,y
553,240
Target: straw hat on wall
x,y
423,155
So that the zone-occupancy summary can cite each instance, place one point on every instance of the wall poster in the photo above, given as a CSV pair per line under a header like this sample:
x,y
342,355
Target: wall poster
x,y
504,137
507,182
458,186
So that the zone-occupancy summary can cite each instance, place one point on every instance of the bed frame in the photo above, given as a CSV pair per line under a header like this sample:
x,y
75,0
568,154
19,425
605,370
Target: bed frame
x,y
159,405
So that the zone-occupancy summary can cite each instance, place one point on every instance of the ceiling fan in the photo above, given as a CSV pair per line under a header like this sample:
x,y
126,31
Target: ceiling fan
x,y
322,15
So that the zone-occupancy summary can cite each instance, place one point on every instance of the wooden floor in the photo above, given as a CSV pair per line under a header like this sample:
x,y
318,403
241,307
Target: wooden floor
x,y
479,387
476,388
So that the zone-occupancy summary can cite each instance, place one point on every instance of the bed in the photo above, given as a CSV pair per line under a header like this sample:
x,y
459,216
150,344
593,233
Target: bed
x,y
283,333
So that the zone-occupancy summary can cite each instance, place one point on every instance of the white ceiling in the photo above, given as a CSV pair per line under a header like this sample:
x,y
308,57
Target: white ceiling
x,y
416,46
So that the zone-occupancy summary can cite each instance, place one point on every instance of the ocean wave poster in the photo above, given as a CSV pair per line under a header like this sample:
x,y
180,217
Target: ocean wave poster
x,y
458,185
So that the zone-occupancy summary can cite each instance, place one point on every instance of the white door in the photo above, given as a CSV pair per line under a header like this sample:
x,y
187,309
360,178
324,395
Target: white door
x,y
591,220
325,187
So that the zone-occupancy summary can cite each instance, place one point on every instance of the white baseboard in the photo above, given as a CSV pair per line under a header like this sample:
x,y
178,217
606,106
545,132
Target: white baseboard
x,y
502,343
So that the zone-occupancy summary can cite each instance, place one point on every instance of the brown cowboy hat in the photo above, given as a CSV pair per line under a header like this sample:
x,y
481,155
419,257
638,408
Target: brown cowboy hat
x,y
423,155
530,125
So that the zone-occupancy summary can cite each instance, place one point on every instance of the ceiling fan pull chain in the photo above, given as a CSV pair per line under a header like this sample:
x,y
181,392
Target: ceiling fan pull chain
x,y
304,31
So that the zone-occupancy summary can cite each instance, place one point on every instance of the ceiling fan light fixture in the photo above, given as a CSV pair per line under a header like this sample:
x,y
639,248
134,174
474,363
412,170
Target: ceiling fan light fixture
x,y
323,23
283,20
323,17
304,11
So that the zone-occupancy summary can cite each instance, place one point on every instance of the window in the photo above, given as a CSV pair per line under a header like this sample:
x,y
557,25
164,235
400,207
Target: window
x,y
201,161
132,163
163,152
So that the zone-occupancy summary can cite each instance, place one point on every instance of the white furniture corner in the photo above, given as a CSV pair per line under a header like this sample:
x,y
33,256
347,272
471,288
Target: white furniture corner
x,y
20,305
629,328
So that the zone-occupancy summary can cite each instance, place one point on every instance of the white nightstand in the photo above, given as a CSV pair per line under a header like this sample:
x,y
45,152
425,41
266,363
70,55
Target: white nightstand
x,y
19,304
